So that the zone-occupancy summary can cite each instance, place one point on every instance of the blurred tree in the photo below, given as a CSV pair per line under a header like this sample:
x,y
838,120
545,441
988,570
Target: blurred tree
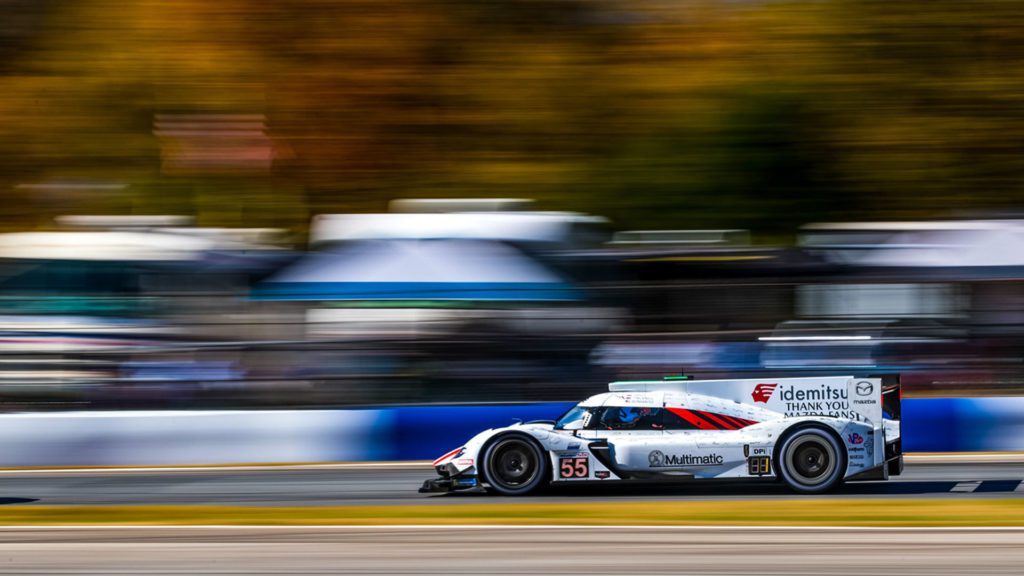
x,y
658,113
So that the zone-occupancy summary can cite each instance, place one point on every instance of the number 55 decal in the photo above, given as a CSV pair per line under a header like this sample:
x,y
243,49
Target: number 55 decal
x,y
574,467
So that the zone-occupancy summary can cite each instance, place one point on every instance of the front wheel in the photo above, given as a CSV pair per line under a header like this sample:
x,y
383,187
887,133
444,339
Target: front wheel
x,y
514,465
811,461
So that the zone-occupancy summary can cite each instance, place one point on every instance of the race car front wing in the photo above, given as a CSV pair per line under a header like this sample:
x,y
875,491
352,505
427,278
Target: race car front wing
x,y
451,479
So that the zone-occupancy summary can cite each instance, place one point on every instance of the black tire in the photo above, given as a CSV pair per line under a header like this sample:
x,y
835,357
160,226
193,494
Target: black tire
x,y
514,465
811,460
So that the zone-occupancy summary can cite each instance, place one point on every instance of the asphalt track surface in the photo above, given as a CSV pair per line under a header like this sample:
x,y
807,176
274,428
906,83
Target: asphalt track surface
x,y
397,485
509,550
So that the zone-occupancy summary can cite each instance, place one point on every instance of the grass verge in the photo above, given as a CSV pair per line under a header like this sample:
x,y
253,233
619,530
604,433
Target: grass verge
x,y
804,512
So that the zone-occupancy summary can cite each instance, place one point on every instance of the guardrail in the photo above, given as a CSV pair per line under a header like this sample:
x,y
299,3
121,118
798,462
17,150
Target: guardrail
x,y
136,438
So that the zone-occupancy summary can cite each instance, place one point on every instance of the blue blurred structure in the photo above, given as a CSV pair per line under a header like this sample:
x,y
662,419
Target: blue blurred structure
x,y
963,424
418,270
421,433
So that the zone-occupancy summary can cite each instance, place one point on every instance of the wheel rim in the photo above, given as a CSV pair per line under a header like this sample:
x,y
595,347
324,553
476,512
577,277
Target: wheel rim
x,y
811,460
513,464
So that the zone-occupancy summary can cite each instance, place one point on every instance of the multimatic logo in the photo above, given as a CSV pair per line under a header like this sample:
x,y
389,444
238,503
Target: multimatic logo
x,y
658,459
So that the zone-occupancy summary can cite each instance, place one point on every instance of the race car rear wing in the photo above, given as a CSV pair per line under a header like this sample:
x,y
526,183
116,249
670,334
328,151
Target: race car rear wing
x,y
892,396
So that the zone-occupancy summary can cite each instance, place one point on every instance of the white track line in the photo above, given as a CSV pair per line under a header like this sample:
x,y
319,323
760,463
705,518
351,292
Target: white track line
x,y
435,527
1020,487
966,486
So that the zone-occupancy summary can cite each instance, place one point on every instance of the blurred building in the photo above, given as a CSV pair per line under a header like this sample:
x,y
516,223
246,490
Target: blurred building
x,y
452,300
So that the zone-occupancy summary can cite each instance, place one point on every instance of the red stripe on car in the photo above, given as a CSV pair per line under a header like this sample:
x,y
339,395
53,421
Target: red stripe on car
x,y
446,456
740,422
736,422
718,419
693,418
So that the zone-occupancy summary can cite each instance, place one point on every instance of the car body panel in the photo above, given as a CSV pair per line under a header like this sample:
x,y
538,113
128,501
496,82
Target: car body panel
x,y
733,428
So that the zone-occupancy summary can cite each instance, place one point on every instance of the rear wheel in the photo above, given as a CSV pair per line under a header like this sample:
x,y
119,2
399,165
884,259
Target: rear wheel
x,y
514,465
811,460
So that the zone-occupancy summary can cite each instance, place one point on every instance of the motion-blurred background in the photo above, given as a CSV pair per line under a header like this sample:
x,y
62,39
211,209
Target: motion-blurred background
x,y
309,203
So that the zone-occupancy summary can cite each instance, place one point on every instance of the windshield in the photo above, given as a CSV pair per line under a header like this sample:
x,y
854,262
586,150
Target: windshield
x,y
628,418
575,419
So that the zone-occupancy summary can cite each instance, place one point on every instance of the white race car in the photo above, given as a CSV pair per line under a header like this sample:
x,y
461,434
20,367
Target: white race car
x,y
812,433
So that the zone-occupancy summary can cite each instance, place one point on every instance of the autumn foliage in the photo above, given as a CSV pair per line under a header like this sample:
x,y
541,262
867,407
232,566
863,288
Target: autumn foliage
x,y
657,113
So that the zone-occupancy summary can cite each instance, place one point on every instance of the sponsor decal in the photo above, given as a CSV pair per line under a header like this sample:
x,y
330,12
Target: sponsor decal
x,y
763,392
464,462
853,449
602,474
760,451
636,398
864,388
824,400
854,438
658,459
823,392
574,446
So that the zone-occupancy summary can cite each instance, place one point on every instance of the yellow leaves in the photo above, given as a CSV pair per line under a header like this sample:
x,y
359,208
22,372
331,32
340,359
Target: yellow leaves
x,y
449,91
